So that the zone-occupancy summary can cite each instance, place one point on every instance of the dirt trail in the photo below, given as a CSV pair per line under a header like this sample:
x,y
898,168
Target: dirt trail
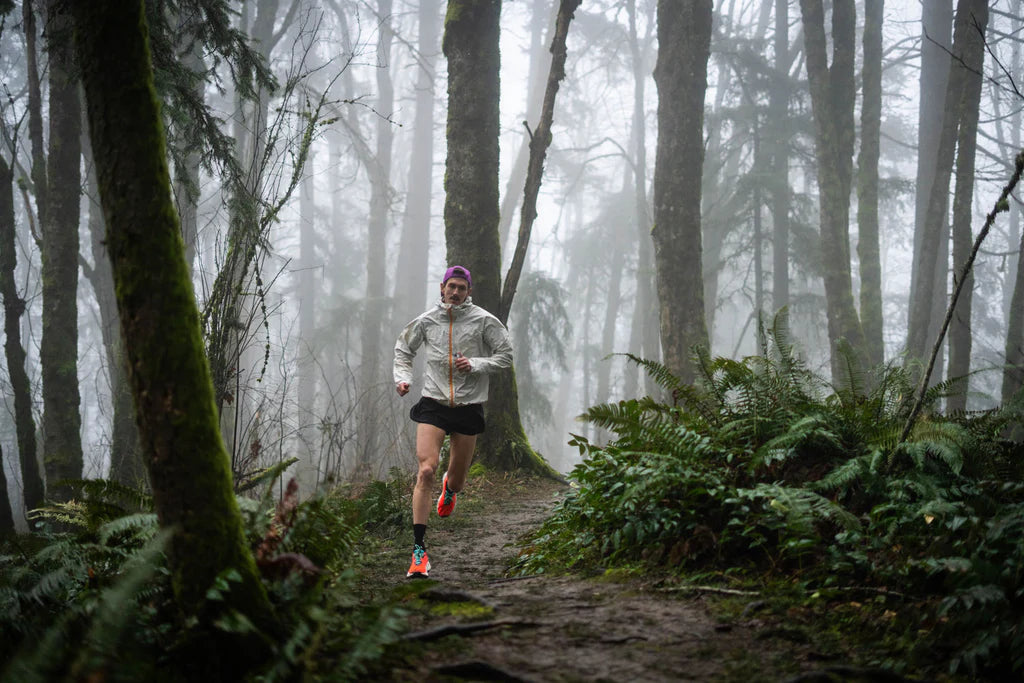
x,y
556,628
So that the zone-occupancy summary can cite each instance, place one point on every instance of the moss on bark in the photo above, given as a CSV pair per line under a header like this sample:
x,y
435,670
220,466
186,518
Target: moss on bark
x,y
186,459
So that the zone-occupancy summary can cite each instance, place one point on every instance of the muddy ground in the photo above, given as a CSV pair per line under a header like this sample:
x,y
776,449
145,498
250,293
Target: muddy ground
x,y
470,621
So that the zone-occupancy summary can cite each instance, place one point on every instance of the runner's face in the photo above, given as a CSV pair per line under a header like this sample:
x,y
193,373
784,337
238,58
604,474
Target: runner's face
x,y
455,291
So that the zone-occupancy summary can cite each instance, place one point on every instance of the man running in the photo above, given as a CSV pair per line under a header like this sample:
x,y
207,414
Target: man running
x,y
464,343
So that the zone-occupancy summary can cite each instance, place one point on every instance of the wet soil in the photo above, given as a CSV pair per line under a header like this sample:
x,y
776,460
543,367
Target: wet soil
x,y
470,621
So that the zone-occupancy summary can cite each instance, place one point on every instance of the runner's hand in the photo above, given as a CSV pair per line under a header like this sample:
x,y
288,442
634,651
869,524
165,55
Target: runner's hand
x,y
402,388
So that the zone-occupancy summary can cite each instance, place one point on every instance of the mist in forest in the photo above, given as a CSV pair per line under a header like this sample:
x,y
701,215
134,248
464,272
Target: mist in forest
x,y
311,196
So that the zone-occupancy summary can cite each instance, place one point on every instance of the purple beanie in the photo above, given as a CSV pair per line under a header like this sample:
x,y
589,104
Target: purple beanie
x,y
457,271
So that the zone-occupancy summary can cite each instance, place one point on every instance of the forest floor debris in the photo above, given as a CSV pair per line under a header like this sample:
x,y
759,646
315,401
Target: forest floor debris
x,y
470,621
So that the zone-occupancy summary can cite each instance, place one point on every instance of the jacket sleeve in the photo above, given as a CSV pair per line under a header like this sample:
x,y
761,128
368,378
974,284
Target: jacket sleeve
x,y
497,340
408,343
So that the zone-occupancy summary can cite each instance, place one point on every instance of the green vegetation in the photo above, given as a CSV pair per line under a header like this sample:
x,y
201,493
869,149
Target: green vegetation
x,y
763,474
89,597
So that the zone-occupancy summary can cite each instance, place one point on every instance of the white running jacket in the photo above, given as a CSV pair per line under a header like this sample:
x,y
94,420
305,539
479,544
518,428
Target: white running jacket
x,y
447,330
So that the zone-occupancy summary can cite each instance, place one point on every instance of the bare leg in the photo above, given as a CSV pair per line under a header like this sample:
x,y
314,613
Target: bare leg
x,y
461,457
428,452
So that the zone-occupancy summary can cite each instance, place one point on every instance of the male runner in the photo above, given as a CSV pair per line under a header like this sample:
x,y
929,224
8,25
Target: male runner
x,y
464,343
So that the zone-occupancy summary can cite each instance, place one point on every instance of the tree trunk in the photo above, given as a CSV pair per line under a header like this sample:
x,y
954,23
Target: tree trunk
x,y
126,465
6,516
14,352
374,387
973,57
187,462
1013,370
684,40
471,203
412,282
922,328
644,335
58,348
936,24
832,100
868,250
779,130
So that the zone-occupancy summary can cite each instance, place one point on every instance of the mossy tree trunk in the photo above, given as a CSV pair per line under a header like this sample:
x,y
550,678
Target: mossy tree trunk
x,y
186,459
684,42
58,347
471,211
832,98
14,352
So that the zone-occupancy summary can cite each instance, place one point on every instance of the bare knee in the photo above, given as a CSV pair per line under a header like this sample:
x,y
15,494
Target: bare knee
x,y
425,475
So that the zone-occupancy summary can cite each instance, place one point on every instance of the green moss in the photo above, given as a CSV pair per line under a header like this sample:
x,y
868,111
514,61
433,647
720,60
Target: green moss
x,y
472,611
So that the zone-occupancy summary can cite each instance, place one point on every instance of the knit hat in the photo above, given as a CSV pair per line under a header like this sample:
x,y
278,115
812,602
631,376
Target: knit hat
x,y
457,271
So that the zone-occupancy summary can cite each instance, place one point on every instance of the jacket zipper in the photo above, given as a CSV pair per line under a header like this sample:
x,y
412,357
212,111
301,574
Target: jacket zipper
x,y
451,359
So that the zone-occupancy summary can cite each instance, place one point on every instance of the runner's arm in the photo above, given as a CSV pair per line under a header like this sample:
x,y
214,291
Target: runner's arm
x,y
408,343
496,338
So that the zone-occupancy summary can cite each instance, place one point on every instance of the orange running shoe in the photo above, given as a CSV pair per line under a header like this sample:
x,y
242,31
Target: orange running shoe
x,y
446,502
420,567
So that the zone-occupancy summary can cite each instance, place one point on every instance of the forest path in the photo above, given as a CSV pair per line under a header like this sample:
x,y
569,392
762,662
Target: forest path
x,y
471,622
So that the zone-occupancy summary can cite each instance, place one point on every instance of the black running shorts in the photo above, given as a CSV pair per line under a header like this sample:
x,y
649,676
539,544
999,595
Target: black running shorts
x,y
468,420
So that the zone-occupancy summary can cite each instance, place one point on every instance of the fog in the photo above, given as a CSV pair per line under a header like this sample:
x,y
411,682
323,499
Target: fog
x,y
356,247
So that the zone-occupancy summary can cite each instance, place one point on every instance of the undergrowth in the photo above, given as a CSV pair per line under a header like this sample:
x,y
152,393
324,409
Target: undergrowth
x,y
87,596
763,470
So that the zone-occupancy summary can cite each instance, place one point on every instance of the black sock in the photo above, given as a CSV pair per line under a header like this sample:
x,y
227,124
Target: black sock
x,y
418,532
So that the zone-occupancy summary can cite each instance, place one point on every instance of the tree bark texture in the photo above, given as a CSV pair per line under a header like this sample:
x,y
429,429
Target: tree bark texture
x,y
922,324
470,44
684,41
14,352
186,459
471,218
963,195
868,248
58,347
832,99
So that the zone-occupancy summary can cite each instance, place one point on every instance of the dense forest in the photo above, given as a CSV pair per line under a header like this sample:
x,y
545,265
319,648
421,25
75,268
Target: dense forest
x,y
760,262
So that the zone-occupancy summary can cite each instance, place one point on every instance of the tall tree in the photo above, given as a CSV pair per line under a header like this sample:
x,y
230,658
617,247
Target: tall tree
x,y
868,249
187,462
126,464
928,296
779,133
644,334
14,352
411,275
832,100
684,44
1013,370
470,44
58,347
922,326
971,62
381,197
